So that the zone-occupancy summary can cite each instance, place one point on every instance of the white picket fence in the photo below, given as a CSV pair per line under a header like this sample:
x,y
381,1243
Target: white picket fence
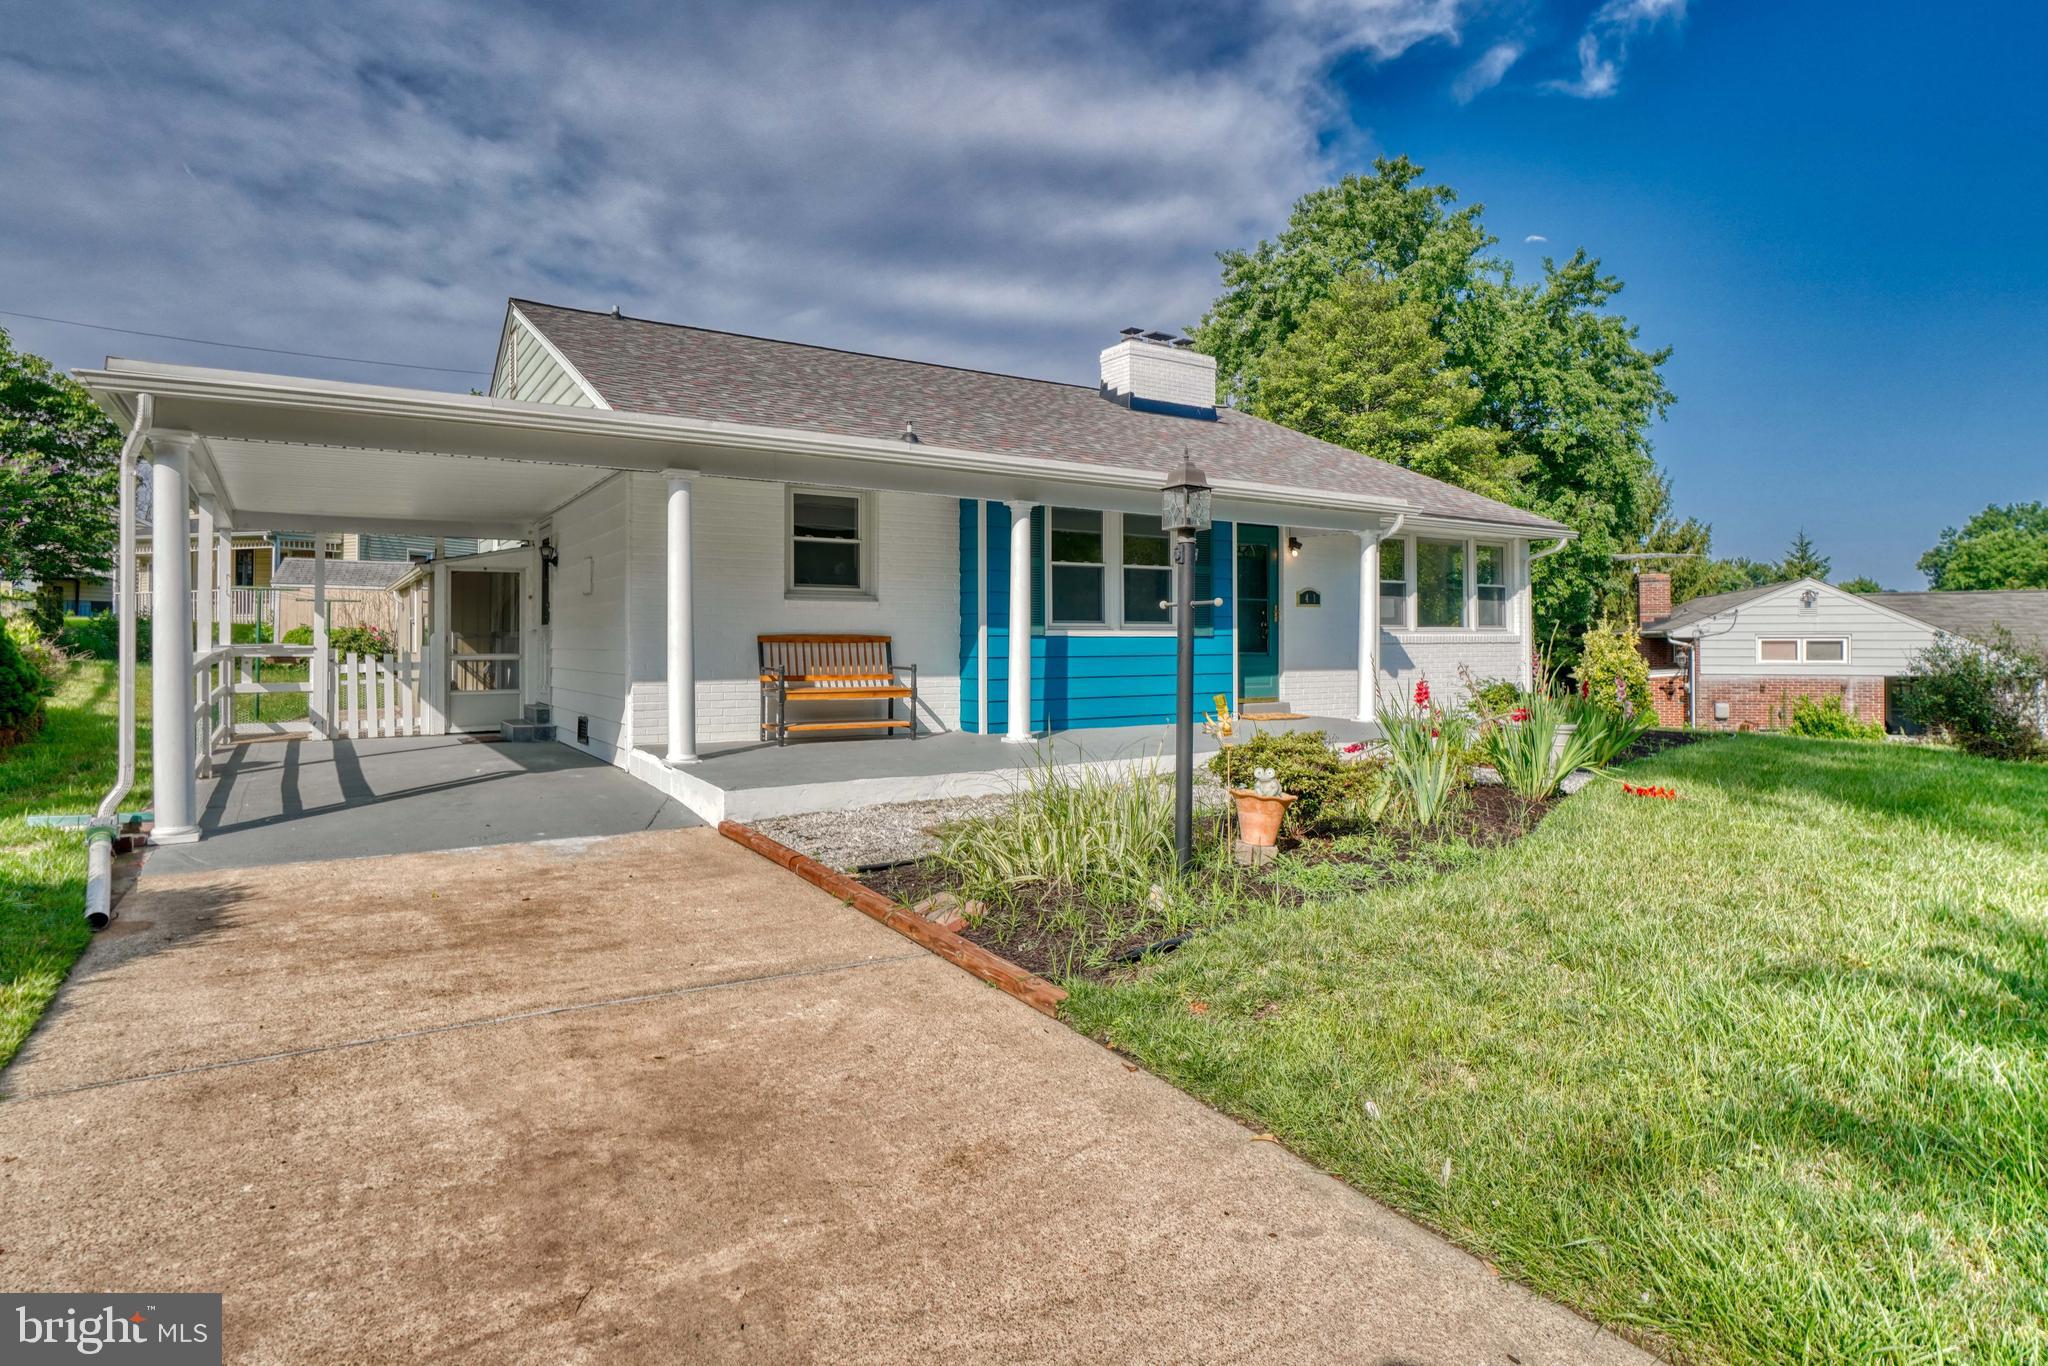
x,y
377,695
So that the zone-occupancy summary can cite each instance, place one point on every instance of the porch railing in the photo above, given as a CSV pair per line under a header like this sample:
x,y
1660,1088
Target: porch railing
x,y
378,695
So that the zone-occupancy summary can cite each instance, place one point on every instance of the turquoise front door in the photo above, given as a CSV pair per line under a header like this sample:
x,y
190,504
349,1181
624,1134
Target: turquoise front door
x,y
1258,613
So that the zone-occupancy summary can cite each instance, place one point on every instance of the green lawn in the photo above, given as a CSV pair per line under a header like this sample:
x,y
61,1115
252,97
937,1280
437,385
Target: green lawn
x,y
1761,1073
67,768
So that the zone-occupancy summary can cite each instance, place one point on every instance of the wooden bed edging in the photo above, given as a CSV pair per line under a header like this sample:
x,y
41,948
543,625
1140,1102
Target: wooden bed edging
x,y
1031,989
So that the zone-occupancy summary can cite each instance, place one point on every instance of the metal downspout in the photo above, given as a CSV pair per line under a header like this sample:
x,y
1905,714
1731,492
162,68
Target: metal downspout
x,y
99,854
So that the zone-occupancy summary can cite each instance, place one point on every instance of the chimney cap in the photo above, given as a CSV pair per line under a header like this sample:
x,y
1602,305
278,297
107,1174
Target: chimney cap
x,y
1159,336
1183,343
1130,332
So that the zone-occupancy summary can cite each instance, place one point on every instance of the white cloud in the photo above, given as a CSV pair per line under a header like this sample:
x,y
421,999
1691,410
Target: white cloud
x,y
1535,237
1603,47
1486,73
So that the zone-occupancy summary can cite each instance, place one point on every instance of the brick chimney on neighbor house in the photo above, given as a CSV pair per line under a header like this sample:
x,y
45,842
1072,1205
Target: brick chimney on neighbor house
x,y
1653,598
1156,372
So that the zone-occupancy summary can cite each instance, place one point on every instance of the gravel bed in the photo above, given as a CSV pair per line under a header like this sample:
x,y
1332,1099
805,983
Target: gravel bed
x,y
873,834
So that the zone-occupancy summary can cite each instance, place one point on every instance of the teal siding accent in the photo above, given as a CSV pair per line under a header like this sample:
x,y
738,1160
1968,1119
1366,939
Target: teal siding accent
x,y
1079,681
970,612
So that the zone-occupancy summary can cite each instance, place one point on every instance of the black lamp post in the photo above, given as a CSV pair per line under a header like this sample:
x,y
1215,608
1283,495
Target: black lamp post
x,y
1184,512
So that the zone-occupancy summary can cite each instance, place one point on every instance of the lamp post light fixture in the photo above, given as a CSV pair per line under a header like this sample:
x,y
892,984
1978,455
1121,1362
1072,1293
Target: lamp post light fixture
x,y
1184,512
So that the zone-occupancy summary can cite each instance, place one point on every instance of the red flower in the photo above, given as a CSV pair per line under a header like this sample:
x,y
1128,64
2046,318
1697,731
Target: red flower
x,y
1519,714
1355,747
1667,793
1421,692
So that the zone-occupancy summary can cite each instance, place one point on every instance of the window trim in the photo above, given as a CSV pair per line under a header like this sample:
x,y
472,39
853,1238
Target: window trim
x,y
1111,605
867,534
1112,623
1404,598
1800,652
1514,584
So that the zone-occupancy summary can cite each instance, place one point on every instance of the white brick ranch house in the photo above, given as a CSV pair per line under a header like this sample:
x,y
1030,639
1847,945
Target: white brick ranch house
x,y
675,493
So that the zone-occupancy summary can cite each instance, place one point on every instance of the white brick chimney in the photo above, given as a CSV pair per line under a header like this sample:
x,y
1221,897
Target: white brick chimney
x,y
1153,373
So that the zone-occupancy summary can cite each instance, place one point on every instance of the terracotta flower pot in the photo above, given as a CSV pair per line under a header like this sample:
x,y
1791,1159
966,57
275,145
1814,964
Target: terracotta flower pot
x,y
1258,818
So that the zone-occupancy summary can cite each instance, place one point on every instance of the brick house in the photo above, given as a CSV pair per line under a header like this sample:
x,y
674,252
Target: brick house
x,y
1737,661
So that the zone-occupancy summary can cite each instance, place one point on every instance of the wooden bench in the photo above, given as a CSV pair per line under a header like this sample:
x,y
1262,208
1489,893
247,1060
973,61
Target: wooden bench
x,y
832,668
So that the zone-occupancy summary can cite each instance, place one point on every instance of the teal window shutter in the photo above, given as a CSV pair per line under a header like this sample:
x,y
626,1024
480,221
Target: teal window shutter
x,y
1205,582
1038,570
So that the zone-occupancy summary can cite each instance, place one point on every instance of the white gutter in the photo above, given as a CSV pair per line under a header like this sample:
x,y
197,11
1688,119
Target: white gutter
x,y
1562,542
99,851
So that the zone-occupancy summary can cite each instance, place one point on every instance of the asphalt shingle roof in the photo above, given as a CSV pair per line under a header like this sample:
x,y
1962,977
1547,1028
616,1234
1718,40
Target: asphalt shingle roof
x,y
1694,610
296,571
2022,611
668,368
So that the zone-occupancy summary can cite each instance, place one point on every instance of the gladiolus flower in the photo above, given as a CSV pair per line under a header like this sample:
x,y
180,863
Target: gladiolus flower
x,y
1421,692
1519,714
1355,747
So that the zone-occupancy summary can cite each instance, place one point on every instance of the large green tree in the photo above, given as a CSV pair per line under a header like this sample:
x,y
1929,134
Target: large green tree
x,y
1803,561
2004,546
1363,369
1560,379
59,474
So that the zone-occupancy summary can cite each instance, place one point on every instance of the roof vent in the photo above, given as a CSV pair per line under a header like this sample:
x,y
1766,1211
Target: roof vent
x,y
615,311
910,434
1153,372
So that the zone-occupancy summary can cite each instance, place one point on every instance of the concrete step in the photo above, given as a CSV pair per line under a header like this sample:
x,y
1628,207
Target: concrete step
x,y
1262,708
525,730
539,713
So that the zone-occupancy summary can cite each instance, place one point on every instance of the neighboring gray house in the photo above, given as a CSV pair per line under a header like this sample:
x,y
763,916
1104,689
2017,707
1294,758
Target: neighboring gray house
x,y
1736,661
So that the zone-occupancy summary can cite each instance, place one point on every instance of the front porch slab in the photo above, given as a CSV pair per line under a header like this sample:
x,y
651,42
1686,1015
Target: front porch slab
x,y
748,782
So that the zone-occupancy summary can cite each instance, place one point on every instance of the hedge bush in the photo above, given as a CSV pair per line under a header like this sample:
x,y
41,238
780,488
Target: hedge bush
x,y
1987,698
23,688
1613,674
99,637
1825,718
1334,791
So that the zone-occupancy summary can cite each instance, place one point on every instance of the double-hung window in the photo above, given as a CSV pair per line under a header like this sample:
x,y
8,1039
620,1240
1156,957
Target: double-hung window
x,y
1148,573
830,539
1394,583
1490,577
1076,559
1439,583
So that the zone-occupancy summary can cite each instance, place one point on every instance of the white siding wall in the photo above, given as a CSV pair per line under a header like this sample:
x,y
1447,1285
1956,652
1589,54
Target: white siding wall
x,y
739,560
528,372
587,639
1319,645
1880,644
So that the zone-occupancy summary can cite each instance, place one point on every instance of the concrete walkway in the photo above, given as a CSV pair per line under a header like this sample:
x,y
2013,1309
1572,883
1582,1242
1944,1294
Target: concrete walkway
x,y
653,1099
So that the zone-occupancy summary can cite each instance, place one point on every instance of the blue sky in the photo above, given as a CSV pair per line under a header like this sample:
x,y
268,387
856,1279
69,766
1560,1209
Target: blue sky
x,y
1833,212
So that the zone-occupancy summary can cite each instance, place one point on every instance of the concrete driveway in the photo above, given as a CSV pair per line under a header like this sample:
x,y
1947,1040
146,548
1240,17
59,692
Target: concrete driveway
x,y
650,1098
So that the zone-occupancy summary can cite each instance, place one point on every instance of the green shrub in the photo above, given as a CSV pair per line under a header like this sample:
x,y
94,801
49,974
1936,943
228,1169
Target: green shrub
x,y
1110,837
1607,733
44,655
1825,718
251,633
22,690
342,640
1987,698
1335,793
1613,674
1428,760
1533,756
1492,697
99,637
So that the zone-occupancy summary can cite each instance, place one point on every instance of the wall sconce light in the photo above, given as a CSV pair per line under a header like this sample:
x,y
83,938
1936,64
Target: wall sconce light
x,y
1808,598
549,556
1294,547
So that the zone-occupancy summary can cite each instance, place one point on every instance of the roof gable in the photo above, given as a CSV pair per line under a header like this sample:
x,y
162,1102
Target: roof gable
x,y
666,368
1698,611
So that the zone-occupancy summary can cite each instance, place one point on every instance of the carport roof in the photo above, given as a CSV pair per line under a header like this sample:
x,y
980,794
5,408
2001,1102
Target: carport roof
x,y
284,453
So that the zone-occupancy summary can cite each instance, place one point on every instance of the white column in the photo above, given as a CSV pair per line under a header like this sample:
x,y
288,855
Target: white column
x,y
682,644
224,622
1018,731
1368,623
1525,614
204,541
175,798
322,672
